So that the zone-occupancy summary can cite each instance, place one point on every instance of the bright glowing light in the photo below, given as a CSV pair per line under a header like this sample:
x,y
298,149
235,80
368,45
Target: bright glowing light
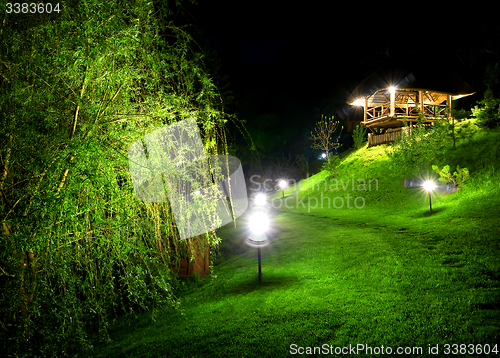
x,y
392,89
258,222
283,184
323,155
260,199
359,102
429,185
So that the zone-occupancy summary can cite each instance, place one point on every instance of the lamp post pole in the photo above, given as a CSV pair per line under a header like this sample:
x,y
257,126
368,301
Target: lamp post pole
x,y
258,223
429,185
283,184
260,271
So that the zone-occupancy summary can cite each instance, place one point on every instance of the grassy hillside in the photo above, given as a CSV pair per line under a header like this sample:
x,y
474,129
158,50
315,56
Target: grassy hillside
x,y
388,273
476,200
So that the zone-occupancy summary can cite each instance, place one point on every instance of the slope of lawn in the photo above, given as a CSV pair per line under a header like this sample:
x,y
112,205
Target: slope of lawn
x,y
387,273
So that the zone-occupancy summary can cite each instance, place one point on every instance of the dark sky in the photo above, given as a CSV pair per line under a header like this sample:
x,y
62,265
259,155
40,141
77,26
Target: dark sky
x,y
305,49
318,46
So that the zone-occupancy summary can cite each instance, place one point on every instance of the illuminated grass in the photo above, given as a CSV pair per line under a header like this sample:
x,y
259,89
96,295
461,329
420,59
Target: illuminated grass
x,y
388,274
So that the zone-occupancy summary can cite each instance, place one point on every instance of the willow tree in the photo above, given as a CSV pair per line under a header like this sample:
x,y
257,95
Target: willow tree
x,y
78,87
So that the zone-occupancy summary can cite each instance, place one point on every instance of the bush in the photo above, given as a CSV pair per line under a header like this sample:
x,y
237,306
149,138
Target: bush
x,y
457,178
466,129
358,135
331,164
417,147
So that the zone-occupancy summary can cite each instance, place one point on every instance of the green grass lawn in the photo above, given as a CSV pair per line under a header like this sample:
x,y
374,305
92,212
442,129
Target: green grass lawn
x,y
388,273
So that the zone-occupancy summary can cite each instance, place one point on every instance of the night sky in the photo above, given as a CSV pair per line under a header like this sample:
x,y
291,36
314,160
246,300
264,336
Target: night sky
x,y
300,61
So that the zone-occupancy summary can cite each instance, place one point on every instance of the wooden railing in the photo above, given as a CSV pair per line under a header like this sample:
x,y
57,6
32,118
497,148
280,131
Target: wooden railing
x,y
374,114
390,137
376,139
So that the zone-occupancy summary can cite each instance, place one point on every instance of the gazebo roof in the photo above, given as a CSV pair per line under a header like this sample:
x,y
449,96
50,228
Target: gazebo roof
x,y
426,78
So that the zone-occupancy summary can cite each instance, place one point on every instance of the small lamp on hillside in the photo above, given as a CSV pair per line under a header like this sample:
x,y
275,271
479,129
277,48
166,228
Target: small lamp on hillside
x,y
429,186
283,184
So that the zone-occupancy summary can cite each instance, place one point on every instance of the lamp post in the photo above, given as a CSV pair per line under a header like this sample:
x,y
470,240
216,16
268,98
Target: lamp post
x,y
429,186
283,185
258,223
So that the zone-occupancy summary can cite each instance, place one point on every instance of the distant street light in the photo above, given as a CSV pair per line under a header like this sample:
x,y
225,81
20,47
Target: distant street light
x,y
283,184
429,186
323,155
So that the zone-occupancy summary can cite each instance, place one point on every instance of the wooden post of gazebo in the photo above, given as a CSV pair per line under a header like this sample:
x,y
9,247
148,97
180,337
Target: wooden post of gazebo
x,y
365,105
448,104
421,101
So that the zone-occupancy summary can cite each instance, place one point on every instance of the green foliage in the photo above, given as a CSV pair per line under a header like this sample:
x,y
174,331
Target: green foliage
x,y
331,164
460,127
488,111
77,248
358,135
418,146
466,129
457,178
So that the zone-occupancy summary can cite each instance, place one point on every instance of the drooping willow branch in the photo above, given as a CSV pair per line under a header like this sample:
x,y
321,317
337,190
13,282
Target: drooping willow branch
x,y
73,129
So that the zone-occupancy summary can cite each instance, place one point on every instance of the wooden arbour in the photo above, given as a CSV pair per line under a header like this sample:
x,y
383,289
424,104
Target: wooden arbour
x,y
394,95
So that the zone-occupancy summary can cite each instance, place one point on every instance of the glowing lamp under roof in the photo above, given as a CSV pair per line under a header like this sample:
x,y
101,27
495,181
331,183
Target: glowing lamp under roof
x,y
359,102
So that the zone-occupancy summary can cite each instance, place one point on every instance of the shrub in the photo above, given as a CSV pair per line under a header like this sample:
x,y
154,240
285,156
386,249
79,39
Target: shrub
x,y
457,178
358,135
417,147
466,129
331,164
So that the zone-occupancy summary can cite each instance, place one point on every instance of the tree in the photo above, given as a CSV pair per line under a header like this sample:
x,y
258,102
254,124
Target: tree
x,y
457,178
488,111
323,135
77,88
358,135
